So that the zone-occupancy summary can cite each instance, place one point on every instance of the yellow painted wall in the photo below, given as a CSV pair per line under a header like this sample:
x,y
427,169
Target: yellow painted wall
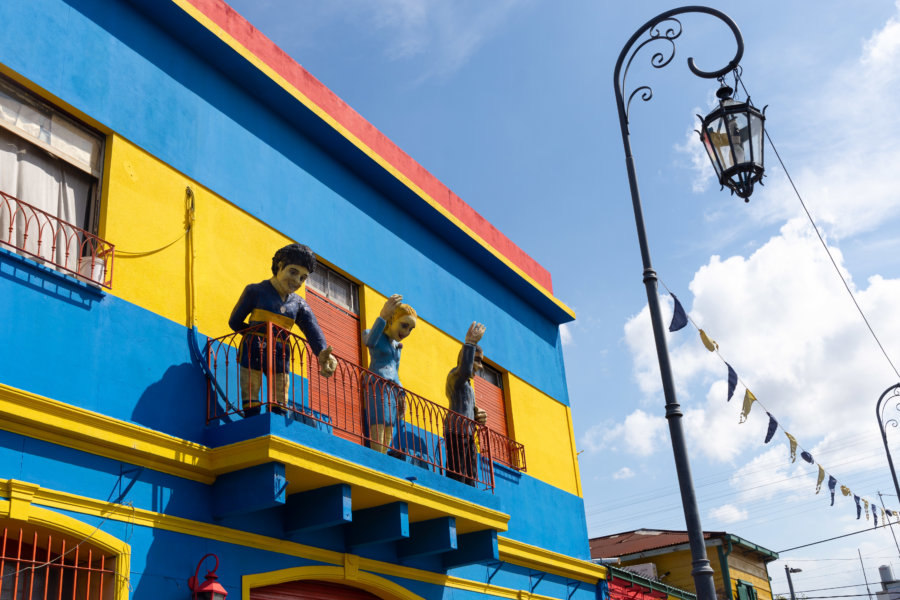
x,y
158,280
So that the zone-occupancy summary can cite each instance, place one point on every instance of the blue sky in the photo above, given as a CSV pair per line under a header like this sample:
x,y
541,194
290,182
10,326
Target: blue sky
x,y
510,103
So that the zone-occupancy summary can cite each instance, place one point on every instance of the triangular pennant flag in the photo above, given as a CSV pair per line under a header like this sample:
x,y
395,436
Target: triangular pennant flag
x,y
793,446
773,425
832,482
820,479
807,457
875,516
749,399
711,345
845,490
858,507
883,518
732,382
866,502
679,317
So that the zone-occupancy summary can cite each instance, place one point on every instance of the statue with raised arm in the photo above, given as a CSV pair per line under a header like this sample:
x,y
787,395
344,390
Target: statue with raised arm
x,y
460,423
275,301
385,401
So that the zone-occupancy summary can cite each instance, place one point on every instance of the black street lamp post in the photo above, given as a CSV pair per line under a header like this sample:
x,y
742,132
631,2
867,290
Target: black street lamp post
x,y
732,135
890,394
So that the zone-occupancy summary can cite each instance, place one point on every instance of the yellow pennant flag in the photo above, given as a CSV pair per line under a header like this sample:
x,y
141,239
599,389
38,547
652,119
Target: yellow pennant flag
x,y
821,478
845,490
866,504
749,399
711,345
793,446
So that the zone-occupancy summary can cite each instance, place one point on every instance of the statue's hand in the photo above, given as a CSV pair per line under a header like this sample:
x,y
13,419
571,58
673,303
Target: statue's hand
x,y
480,416
327,363
473,335
390,306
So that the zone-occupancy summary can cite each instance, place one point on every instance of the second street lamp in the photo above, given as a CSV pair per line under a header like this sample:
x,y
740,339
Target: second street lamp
x,y
734,141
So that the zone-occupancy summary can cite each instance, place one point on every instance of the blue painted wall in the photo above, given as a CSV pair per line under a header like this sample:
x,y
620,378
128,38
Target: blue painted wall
x,y
104,58
161,558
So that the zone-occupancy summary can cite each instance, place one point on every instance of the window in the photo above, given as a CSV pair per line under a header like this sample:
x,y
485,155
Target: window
x,y
489,396
50,168
334,287
745,590
37,563
334,300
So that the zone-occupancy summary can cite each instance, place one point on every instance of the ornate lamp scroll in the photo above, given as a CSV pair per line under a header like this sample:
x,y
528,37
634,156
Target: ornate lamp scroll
x,y
892,394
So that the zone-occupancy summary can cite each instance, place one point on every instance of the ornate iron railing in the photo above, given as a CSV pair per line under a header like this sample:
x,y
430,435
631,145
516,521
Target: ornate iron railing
x,y
40,235
269,368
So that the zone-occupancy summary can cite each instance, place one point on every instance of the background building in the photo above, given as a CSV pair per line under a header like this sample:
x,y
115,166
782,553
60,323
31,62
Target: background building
x,y
740,567
155,154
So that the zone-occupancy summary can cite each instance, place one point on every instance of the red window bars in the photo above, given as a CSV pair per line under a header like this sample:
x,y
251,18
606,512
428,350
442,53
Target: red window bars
x,y
50,240
284,379
46,566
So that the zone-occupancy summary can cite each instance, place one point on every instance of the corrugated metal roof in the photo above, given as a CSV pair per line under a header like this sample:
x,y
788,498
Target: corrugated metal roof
x,y
641,540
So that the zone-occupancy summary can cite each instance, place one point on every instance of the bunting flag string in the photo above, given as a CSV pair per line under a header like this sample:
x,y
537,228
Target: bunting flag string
x,y
680,319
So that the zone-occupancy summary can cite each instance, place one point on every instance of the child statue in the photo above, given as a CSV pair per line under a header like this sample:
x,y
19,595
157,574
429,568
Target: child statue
x,y
386,403
459,428
274,300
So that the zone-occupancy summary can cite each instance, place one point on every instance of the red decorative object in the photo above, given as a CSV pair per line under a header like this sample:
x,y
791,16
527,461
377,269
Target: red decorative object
x,y
210,589
337,404
58,244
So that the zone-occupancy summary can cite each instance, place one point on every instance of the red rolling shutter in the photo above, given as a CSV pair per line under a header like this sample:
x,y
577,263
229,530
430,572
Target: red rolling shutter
x,y
340,396
310,590
489,397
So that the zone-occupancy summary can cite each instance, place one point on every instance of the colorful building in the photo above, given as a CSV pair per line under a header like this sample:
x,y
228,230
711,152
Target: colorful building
x,y
624,584
739,566
155,154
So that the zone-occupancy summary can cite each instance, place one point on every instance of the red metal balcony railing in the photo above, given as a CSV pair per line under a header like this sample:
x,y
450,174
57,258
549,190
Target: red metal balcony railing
x,y
280,374
47,238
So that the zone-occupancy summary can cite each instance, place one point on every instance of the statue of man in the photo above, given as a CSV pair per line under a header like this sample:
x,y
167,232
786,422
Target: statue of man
x,y
275,301
459,425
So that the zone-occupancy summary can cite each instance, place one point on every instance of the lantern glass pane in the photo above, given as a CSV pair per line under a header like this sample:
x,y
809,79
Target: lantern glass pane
x,y
756,138
720,143
711,152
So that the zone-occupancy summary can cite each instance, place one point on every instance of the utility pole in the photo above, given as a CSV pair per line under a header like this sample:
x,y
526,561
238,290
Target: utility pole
x,y
788,571
866,579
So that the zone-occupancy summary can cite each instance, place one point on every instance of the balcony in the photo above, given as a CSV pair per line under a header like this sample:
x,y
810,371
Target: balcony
x,y
291,385
51,241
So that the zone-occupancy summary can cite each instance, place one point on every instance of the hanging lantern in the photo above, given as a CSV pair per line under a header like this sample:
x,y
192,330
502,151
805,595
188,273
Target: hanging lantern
x,y
210,589
733,137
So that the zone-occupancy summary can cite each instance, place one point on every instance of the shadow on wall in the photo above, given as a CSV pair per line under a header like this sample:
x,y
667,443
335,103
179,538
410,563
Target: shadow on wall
x,y
176,404
47,281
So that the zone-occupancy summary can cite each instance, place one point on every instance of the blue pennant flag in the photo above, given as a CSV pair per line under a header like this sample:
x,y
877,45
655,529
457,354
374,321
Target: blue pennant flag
x,y
773,425
875,516
732,382
832,482
807,457
679,317
858,507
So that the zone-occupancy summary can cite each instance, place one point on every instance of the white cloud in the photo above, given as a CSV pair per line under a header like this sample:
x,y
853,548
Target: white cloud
x,y
784,321
623,473
446,33
727,514
565,334
639,434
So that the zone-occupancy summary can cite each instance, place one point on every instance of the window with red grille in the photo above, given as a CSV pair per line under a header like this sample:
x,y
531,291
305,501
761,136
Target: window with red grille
x,y
37,563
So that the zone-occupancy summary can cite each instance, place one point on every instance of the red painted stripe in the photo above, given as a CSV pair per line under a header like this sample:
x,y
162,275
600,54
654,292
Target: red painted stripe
x,y
265,49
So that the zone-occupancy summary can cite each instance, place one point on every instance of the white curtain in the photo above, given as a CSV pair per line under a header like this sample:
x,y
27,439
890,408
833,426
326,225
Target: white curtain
x,y
49,184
